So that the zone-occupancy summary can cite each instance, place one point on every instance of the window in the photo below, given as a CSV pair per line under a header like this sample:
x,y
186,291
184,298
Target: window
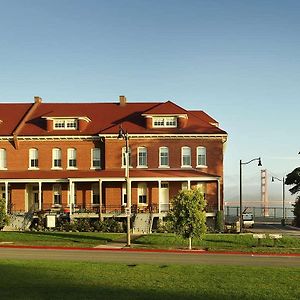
x,y
95,194
124,194
124,157
201,156
164,157
56,158
142,157
142,193
65,124
56,194
96,162
2,159
186,156
33,158
72,163
164,121
184,186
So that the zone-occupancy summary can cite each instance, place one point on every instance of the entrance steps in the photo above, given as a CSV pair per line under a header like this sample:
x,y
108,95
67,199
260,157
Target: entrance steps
x,y
142,223
19,222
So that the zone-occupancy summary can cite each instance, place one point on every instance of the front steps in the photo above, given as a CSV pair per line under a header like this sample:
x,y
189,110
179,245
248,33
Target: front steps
x,y
19,222
142,223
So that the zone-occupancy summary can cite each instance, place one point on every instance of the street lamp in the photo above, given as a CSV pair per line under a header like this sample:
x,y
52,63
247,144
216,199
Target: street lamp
x,y
124,135
241,194
283,196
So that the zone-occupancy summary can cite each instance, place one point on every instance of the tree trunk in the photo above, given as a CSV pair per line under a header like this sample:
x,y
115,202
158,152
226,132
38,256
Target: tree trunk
x,y
190,243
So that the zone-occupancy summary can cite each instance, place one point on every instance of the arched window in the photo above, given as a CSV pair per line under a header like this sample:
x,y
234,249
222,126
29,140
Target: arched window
x,y
33,158
142,157
56,158
164,157
186,157
201,156
72,158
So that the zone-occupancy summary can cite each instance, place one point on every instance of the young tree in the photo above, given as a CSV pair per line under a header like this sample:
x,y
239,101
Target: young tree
x,y
187,215
293,178
4,219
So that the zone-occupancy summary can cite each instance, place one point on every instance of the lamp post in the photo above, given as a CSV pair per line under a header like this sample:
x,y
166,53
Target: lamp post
x,y
283,197
124,135
241,191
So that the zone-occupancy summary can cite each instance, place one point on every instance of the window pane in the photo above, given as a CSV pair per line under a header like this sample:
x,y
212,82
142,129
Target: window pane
x,y
96,158
142,158
201,156
186,156
164,156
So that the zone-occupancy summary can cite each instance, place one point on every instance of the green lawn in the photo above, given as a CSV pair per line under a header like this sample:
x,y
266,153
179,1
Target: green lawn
x,y
86,280
219,242
212,242
64,239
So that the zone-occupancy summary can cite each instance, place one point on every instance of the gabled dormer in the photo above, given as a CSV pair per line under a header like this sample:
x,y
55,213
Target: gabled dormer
x,y
166,115
66,123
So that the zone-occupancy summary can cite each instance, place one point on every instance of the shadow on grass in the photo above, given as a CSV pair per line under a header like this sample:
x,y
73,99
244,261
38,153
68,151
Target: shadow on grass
x,y
69,235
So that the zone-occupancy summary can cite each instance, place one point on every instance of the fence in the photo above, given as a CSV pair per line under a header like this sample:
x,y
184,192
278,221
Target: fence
x,y
261,213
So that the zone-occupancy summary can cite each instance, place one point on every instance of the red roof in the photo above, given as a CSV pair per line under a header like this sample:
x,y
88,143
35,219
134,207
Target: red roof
x,y
105,118
65,174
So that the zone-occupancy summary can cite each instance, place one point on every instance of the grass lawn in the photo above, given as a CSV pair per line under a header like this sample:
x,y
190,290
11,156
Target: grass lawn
x,y
64,239
85,280
227,242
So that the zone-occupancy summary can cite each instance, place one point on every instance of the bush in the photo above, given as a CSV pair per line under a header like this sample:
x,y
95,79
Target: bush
x,y
4,218
219,225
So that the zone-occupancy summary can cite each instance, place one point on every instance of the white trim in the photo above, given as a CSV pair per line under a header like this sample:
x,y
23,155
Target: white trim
x,y
190,156
138,157
164,115
159,157
33,168
201,167
168,136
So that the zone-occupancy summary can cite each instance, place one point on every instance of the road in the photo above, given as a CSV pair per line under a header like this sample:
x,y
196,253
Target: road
x,y
138,257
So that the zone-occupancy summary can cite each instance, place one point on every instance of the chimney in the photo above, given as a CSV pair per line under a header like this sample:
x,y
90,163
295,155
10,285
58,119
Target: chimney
x,y
122,100
37,99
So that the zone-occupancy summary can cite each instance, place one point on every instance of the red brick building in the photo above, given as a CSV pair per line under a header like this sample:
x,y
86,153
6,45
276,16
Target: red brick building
x,y
54,154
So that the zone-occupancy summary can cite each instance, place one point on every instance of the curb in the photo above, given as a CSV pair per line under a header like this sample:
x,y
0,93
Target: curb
x,y
183,251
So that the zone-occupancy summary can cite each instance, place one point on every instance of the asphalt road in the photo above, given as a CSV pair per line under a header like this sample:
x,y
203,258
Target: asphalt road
x,y
162,258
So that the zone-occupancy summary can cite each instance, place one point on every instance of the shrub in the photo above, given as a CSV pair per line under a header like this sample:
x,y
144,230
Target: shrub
x,y
219,225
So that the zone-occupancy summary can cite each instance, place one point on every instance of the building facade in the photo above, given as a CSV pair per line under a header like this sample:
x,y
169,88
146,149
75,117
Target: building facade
x,y
68,157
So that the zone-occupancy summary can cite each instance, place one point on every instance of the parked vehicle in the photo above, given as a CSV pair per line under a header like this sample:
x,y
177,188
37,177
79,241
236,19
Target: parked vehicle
x,y
248,220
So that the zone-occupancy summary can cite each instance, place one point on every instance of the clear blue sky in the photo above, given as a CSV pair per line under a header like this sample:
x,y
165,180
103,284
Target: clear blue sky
x,y
237,60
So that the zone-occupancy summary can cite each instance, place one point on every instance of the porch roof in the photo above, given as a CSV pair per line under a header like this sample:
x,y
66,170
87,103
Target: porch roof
x,y
103,174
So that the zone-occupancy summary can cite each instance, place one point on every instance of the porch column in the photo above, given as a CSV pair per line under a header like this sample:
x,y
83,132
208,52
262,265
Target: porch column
x,y
159,196
70,198
219,194
40,195
100,200
189,184
6,196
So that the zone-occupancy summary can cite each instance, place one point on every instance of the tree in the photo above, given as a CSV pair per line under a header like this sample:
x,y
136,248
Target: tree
x,y
187,214
4,219
293,178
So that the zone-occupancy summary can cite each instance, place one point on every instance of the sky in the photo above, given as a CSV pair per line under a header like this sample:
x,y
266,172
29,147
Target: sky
x,y
237,60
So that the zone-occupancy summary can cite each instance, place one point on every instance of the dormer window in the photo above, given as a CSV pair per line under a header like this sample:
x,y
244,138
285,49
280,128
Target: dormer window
x,y
65,124
165,122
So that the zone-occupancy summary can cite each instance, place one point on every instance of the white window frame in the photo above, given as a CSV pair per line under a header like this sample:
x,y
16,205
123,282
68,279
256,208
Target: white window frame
x,y
95,192
164,122
201,155
72,156
142,161
160,157
65,124
57,191
33,159
3,159
95,157
124,159
56,157
183,155
142,192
